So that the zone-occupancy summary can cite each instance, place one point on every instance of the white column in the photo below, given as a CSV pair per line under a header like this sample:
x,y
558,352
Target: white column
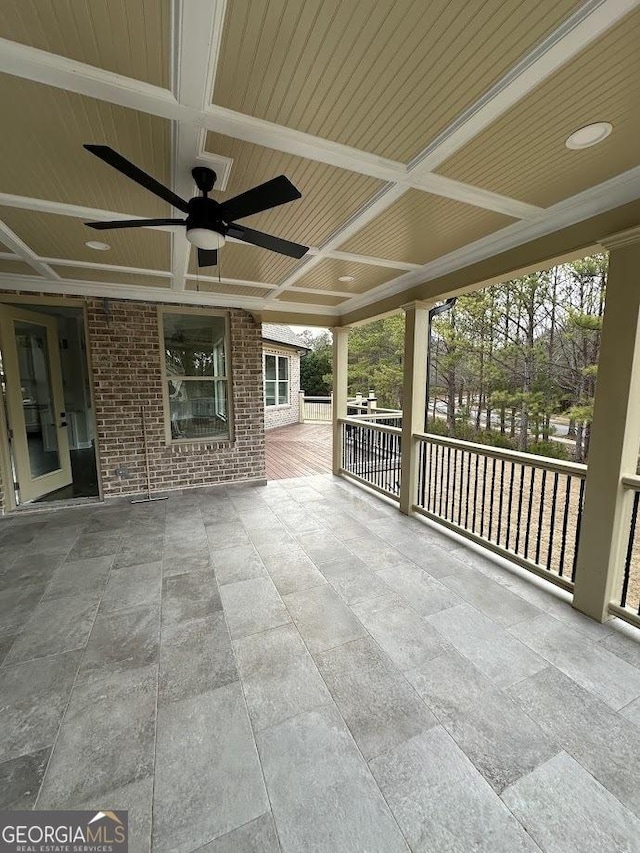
x,y
301,407
340,382
413,396
615,434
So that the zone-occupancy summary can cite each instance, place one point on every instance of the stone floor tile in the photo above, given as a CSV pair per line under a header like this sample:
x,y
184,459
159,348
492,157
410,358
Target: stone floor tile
x,y
132,586
424,594
33,697
585,727
292,570
106,739
352,580
257,836
375,553
237,563
17,603
136,799
195,657
279,676
125,639
321,792
56,625
399,631
226,534
377,703
565,809
624,642
322,617
208,778
193,595
500,739
79,576
441,801
253,605
493,599
102,544
20,780
32,569
595,668
498,654
140,549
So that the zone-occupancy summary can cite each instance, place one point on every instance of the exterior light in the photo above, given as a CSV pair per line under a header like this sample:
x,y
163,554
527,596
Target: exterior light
x,y
204,238
97,245
346,278
590,134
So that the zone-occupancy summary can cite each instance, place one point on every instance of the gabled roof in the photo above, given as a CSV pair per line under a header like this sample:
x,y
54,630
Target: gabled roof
x,y
278,334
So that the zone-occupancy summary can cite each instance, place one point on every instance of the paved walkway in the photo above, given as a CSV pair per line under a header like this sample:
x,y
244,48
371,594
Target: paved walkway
x,y
298,450
299,668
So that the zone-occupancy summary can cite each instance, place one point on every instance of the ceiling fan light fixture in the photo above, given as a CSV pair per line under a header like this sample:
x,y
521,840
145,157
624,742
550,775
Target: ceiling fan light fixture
x,y
204,238
590,134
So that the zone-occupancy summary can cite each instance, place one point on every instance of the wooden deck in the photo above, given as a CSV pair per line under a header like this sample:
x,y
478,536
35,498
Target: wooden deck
x,y
298,450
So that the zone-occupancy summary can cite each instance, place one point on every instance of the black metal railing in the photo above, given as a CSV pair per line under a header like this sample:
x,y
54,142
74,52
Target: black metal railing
x,y
630,592
521,505
372,453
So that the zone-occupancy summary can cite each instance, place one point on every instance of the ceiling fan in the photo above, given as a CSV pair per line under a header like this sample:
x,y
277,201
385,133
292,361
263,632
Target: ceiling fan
x,y
208,222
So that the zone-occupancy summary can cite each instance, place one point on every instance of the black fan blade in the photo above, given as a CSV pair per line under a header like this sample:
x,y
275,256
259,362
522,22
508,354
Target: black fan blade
x,y
275,192
112,158
267,241
133,223
207,257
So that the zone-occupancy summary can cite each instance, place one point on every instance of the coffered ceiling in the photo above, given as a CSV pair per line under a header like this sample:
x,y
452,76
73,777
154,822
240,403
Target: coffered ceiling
x,y
425,138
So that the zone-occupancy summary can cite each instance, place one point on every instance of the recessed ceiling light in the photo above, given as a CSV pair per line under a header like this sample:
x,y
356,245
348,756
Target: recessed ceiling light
x,y
589,135
97,245
346,278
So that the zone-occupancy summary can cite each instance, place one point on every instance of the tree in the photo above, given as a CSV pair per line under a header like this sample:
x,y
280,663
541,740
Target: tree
x,y
316,366
376,352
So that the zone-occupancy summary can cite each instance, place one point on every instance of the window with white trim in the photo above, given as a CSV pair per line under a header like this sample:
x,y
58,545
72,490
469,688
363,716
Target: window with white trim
x,y
276,380
196,380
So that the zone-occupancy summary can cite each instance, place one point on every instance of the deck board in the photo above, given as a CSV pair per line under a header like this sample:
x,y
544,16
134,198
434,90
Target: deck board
x,y
298,451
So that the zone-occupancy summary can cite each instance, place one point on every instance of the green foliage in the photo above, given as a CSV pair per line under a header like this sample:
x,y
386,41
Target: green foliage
x,y
315,373
376,352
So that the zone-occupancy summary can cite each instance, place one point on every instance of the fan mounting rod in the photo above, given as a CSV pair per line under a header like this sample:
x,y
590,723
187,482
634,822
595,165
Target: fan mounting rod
x,y
204,177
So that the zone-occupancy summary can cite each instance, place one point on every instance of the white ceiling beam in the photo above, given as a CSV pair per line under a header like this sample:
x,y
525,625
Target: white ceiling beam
x,y
580,29
51,69
613,193
197,36
115,290
30,63
11,240
42,205
364,259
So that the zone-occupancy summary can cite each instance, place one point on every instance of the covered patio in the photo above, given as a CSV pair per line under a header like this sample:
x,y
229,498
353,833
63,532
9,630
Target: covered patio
x,y
299,667
434,646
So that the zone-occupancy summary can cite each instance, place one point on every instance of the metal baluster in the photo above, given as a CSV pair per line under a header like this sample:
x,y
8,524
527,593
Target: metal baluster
x,y
500,500
578,526
552,523
565,520
475,495
446,494
491,495
541,515
528,530
484,492
630,544
520,499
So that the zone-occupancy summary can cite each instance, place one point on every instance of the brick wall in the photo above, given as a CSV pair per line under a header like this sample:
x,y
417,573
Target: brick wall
x,y
278,416
126,374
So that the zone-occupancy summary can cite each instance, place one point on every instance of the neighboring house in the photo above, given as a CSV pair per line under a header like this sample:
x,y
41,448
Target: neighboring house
x,y
281,353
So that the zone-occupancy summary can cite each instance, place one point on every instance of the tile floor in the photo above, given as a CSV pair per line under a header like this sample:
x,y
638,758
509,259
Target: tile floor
x,y
300,668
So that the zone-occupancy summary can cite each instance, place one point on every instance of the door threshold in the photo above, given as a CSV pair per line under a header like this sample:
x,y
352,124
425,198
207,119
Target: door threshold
x,y
47,506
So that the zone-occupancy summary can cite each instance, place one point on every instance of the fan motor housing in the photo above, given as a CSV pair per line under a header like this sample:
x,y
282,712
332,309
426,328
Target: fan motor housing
x,y
203,214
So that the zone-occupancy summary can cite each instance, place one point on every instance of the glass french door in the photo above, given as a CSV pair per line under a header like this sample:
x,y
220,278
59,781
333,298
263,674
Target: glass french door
x,y
35,402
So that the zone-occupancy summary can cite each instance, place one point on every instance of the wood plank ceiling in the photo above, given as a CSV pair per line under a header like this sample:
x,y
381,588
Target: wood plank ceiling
x,y
422,135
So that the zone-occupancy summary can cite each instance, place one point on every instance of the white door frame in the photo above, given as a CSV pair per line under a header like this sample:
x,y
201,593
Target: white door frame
x,y
30,487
